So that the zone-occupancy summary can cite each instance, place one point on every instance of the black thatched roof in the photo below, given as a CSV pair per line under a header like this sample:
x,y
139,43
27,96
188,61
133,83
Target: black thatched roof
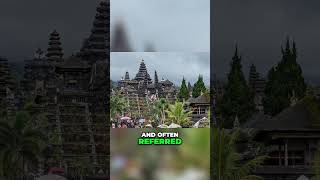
x,y
203,99
305,115
73,62
167,82
256,120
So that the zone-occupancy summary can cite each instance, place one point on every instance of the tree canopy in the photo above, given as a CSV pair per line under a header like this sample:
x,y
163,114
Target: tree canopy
x,y
199,87
284,81
183,92
237,99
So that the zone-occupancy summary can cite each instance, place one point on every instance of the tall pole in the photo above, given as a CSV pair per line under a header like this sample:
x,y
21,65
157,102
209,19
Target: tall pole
x,y
286,153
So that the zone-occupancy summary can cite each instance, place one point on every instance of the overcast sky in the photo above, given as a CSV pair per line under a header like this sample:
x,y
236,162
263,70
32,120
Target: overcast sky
x,y
170,25
26,25
172,66
260,27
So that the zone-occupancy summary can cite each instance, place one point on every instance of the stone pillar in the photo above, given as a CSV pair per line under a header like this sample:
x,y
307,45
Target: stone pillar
x,y
286,153
305,154
279,151
308,154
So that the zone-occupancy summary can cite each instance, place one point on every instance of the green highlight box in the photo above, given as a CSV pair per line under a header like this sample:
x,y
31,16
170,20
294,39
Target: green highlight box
x,y
160,141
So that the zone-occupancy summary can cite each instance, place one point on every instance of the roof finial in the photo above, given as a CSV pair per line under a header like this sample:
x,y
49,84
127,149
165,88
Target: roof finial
x,y
236,122
236,51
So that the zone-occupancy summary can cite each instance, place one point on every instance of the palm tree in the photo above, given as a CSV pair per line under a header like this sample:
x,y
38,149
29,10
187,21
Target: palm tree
x,y
35,119
177,114
161,106
20,146
81,168
117,104
55,141
227,164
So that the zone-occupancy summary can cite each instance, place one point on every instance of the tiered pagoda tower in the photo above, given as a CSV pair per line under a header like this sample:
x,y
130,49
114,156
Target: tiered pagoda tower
x,y
97,45
143,73
253,76
256,85
5,80
54,53
156,80
120,40
127,77
6,88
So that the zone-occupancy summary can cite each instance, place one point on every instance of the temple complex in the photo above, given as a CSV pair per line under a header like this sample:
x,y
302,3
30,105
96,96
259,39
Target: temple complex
x,y
141,90
142,85
73,91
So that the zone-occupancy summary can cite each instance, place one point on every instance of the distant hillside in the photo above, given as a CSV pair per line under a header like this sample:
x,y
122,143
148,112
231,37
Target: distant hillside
x,y
113,84
17,69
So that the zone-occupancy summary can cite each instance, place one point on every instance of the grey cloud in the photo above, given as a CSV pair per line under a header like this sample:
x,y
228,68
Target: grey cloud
x,y
260,27
26,25
172,66
180,25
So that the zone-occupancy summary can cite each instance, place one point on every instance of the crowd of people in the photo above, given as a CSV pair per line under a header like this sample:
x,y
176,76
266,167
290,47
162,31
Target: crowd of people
x,y
127,122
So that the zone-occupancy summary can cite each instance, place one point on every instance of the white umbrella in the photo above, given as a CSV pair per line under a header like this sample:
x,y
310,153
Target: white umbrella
x,y
204,119
196,125
52,177
173,125
303,177
142,120
204,122
163,126
125,118
191,174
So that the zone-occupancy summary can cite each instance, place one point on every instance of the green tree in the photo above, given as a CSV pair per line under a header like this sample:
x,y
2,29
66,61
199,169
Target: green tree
x,y
237,99
284,81
81,168
20,146
199,87
316,166
118,104
178,115
160,107
35,118
183,94
227,163
55,141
